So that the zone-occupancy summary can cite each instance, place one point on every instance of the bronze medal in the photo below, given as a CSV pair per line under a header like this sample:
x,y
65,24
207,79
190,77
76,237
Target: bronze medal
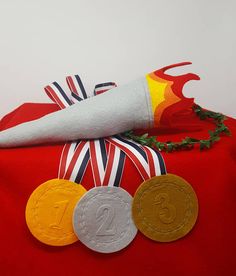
x,y
165,208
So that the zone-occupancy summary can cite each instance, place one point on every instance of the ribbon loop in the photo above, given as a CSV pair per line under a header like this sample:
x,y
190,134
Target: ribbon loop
x,y
58,95
103,87
76,87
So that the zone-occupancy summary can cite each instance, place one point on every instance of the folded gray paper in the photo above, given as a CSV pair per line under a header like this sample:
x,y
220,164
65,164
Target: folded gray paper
x,y
145,103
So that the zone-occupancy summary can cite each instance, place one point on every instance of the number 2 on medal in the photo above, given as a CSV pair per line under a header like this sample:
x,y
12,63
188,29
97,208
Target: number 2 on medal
x,y
59,209
106,213
167,212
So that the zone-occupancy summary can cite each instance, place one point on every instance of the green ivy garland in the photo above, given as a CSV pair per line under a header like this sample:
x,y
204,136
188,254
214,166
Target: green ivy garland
x,y
188,142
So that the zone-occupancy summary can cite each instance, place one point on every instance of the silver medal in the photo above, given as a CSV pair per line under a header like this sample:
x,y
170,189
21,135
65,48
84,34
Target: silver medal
x,y
102,219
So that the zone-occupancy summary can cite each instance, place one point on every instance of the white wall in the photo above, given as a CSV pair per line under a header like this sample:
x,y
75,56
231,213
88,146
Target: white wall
x,y
110,40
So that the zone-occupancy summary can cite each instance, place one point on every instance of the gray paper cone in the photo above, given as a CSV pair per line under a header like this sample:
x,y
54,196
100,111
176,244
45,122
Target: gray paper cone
x,y
153,101
118,110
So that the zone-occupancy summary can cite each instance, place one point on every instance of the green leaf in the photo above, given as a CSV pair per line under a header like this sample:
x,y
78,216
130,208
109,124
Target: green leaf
x,y
215,138
208,144
211,133
170,147
193,140
187,142
227,132
144,136
202,145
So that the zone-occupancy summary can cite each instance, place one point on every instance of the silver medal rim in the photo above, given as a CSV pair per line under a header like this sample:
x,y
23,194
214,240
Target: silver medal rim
x,y
78,226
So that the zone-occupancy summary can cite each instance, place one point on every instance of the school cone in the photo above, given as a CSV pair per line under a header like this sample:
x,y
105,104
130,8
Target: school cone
x,y
151,101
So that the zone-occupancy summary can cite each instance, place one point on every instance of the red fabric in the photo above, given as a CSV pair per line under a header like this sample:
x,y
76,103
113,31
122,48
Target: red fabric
x,y
209,249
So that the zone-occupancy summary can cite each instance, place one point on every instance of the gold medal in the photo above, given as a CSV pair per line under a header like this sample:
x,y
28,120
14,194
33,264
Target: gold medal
x,y
49,211
165,208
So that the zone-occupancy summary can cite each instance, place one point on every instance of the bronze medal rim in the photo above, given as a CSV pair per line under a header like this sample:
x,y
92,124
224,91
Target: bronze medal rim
x,y
31,217
139,220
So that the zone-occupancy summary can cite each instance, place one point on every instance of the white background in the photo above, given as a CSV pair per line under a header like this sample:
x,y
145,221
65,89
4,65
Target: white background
x,y
110,40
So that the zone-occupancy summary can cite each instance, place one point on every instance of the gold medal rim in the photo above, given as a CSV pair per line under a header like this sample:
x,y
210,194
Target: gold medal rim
x,y
139,222
35,195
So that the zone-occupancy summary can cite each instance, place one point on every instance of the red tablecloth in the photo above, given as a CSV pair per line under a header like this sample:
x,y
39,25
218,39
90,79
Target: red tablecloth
x,y
209,249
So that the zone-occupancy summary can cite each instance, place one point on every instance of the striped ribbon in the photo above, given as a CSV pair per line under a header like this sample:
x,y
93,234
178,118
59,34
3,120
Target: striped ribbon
x,y
74,161
76,87
58,95
107,155
107,168
147,161
75,155
155,161
103,87
98,160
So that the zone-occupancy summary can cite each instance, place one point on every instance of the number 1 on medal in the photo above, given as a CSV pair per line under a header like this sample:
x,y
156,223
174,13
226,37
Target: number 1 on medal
x,y
59,208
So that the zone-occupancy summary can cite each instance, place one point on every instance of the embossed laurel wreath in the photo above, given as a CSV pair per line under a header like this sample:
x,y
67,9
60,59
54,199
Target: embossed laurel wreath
x,y
188,142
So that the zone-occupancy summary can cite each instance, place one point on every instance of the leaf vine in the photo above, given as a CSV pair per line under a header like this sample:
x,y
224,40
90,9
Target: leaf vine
x,y
188,142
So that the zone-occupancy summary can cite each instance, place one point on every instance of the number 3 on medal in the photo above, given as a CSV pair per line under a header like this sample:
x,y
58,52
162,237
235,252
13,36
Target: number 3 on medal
x,y
166,208
106,213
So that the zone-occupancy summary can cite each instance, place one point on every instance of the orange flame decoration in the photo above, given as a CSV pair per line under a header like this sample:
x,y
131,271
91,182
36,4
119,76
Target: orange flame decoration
x,y
166,95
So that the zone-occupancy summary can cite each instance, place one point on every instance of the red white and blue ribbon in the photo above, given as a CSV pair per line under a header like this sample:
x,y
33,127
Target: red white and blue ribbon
x,y
115,167
58,95
107,155
75,155
147,161
103,87
155,161
135,153
98,155
76,87
74,161
107,167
